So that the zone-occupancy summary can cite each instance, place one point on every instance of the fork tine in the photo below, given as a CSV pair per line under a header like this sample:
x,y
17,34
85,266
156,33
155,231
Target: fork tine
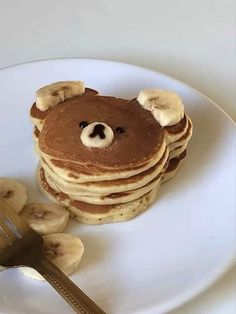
x,y
9,224
6,230
13,217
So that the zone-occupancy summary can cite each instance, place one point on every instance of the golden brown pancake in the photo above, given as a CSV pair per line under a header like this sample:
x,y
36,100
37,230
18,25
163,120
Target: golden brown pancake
x,y
61,132
118,181
92,208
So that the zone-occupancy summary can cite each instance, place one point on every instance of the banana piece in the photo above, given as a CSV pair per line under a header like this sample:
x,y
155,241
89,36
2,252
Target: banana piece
x,y
45,218
90,135
14,192
166,106
51,95
63,250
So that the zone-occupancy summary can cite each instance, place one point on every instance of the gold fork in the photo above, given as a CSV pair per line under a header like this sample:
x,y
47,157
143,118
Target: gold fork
x,y
21,246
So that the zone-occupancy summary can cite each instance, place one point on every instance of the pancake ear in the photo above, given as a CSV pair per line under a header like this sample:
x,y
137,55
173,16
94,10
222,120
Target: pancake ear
x,y
51,95
166,106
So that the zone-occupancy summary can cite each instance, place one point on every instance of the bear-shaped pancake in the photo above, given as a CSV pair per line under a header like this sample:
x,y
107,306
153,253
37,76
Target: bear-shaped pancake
x,y
105,157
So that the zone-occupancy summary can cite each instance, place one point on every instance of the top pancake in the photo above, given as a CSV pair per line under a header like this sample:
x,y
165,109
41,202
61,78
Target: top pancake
x,y
60,135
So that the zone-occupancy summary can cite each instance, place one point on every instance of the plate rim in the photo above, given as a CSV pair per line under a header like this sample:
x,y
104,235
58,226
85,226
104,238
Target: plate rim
x,y
124,64
202,286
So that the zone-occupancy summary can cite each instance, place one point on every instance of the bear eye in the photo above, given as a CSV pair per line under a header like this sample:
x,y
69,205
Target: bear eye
x,y
83,124
120,130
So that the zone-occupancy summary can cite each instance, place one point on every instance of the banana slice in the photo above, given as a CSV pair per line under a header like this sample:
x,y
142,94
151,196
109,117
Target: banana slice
x,y
14,192
166,106
45,218
51,95
63,250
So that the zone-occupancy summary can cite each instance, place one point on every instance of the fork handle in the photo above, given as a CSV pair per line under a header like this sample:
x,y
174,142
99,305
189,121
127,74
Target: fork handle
x,y
72,294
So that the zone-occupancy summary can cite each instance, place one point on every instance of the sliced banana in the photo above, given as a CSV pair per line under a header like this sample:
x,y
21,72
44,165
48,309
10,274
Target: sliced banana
x,y
166,106
63,250
45,218
51,95
97,134
14,192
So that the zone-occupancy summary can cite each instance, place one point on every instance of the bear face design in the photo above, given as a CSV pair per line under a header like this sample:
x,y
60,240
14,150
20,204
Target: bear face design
x,y
105,157
132,134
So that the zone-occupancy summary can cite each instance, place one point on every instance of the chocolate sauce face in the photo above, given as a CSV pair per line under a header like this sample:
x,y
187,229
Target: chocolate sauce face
x,y
98,130
83,124
137,135
120,130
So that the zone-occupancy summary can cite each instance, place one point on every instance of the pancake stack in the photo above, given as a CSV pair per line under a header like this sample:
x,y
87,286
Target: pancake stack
x,y
102,157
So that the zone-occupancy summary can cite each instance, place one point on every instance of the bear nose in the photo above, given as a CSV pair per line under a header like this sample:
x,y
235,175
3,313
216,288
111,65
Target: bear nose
x,y
97,135
98,130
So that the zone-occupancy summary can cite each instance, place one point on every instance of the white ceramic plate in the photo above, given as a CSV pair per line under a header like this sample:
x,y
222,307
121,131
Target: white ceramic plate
x,y
166,256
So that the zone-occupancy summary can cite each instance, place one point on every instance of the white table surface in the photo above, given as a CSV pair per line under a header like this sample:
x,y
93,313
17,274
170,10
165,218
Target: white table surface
x,y
193,41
